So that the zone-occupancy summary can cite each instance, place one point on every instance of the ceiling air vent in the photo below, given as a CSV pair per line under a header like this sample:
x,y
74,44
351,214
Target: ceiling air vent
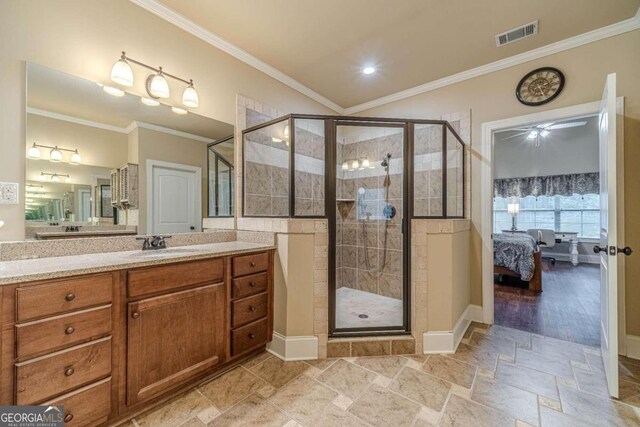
x,y
517,33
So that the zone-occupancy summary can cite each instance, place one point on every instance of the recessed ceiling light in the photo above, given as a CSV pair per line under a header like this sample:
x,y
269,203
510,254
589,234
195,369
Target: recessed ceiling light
x,y
368,70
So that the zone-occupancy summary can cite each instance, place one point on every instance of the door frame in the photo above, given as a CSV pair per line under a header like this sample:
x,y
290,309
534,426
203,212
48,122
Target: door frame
x,y
151,164
486,197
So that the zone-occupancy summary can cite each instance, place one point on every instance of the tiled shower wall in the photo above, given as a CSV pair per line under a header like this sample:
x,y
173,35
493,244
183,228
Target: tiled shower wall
x,y
266,153
352,270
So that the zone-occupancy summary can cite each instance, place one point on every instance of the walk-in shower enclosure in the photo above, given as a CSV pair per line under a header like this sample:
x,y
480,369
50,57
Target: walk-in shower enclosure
x,y
369,177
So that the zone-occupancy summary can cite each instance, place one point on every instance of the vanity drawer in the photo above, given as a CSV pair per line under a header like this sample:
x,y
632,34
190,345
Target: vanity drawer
x,y
249,309
155,280
42,378
53,333
86,406
250,285
249,336
33,302
250,264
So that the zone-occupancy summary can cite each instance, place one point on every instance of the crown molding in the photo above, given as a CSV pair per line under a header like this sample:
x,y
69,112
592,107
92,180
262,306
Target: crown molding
x,y
133,125
143,125
531,55
76,120
168,14
191,27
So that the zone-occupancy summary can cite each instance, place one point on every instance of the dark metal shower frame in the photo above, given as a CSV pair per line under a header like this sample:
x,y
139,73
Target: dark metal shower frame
x,y
215,189
331,123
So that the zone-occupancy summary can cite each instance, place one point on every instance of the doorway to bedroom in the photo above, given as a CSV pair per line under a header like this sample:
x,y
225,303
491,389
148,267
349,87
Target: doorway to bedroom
x,y
546,223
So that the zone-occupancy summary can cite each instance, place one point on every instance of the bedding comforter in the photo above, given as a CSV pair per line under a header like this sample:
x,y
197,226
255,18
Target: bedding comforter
x,y
515,252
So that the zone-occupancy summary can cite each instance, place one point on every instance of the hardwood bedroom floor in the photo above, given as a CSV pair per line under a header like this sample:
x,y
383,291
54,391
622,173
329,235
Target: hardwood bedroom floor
x,y
567,309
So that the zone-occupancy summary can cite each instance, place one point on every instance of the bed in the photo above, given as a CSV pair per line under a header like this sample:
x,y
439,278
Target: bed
x,y
518,254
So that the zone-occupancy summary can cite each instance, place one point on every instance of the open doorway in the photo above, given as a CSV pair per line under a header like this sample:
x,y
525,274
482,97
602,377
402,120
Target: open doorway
x,y
546,223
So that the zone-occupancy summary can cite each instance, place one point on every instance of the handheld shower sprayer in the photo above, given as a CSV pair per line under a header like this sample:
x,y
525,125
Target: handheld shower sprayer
x,y
385,162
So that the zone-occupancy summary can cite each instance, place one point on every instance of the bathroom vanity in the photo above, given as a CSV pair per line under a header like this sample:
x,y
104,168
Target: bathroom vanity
x,y
117,339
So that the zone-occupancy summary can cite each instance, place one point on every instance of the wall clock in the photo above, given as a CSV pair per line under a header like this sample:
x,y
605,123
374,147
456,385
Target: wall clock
x,y
540,86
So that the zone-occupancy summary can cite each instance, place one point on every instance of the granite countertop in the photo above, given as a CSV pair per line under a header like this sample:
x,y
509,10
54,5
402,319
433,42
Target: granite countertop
x,y
12,272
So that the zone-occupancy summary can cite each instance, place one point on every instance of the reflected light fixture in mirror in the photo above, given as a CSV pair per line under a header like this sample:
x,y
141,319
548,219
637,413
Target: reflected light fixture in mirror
x,y
75,158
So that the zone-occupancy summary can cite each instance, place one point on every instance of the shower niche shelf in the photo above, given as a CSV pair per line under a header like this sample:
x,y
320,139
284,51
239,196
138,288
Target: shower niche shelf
x,y
345,200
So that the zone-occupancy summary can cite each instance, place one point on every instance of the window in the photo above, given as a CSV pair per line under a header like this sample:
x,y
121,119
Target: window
x,y
576,213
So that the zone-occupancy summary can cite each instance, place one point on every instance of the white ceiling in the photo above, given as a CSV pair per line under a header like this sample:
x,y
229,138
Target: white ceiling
x,y
319,47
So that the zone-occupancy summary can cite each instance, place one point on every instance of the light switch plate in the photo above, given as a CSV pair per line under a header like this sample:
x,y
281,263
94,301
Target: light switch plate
x,y
8,193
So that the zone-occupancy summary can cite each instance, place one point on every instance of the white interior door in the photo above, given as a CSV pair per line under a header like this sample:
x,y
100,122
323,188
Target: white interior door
x,y
608,235
175,199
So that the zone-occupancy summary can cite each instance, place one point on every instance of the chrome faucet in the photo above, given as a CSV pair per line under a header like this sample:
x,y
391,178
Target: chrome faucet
x,y
153,242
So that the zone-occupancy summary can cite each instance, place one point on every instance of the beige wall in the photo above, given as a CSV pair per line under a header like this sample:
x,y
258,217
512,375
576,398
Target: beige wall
x,y
84,38
153,145
491,97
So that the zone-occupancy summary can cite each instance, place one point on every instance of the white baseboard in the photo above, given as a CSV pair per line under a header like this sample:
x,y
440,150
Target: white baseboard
x,y
633,346
294,348
584,258
448,341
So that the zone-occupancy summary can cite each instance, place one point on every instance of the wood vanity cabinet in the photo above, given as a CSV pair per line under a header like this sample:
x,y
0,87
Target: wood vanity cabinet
x,y
109,345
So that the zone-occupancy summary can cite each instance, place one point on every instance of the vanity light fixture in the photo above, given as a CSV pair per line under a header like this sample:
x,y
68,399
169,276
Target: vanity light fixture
x,y
156,84
345,166
150,102
55,155
55,177
34,152
286,132
365,163
544,133
121,72
178,110
355,165
75,158
276,140
113,91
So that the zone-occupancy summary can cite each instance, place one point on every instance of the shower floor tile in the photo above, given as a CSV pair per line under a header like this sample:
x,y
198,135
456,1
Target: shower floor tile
x,y
381,310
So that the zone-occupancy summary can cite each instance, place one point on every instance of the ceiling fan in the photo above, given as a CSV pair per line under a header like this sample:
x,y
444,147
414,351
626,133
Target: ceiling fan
x,y
534,133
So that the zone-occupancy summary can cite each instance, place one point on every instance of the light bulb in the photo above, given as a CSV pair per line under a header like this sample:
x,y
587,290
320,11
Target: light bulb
x,y
34,152
355,164
345,166
121,72
75,158
55,178
150,102
55,155
533,134
365,163
178,110
190,97
368,70
67,179
157,85
544,133
113,91
41,178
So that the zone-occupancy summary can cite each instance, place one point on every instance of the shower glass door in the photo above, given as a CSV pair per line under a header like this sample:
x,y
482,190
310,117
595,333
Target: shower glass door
x,y
369,237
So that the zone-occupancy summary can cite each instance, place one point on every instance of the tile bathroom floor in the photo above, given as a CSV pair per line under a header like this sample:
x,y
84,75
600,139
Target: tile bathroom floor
x,y
498,377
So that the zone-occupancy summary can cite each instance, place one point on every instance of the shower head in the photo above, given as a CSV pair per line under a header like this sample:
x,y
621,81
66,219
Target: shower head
x,y
385,161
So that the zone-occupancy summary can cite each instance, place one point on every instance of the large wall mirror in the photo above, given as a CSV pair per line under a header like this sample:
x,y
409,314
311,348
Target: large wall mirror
x,y
106,162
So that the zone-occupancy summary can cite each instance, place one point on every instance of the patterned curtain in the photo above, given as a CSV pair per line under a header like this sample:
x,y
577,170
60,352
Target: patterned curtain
x,y
563,185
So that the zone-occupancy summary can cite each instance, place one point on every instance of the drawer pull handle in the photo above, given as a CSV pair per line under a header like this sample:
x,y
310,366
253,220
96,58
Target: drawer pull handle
x,y
252,335
69,330
70,297
252,284
252,309
68,418
253,264
135,314
69,371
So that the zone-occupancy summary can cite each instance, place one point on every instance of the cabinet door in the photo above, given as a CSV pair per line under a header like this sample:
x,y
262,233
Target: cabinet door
x,y
173,338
